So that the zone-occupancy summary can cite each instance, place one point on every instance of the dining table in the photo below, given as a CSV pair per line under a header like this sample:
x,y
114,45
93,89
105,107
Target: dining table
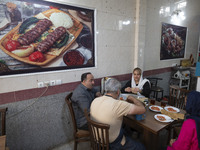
x,y
149,127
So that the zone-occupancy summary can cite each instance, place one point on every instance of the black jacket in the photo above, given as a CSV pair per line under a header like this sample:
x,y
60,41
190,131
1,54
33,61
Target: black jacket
x,y
146,88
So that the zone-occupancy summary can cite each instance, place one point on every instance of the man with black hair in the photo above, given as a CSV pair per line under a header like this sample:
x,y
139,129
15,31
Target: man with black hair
x,y
82,98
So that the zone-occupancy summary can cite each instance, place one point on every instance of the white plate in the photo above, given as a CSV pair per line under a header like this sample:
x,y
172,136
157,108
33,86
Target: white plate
x,y
167,118
151,108
134,95
123,97
176,110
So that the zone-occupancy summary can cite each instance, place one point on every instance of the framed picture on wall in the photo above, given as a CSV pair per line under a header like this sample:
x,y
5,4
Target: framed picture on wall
x,y
38,36
173,41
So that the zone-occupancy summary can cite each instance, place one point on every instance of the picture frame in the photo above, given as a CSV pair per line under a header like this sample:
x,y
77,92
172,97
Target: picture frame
x,y
173,41
78,37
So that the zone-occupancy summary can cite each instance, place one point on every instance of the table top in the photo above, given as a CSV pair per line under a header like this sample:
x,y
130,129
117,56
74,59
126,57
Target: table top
x,y
149,123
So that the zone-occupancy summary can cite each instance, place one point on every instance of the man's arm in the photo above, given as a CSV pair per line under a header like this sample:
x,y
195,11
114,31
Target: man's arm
x,y
137,107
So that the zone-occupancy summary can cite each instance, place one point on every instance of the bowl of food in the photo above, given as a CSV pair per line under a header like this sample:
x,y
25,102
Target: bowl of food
x,y
85,15
73,57
86,41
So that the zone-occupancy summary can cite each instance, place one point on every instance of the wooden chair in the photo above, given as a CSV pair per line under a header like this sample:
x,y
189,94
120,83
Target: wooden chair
x,y
3,120
79,135
3,129
155,88
99,134
177,96
3,142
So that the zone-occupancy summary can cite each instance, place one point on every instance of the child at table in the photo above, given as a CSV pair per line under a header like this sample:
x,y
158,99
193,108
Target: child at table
x,y
189,137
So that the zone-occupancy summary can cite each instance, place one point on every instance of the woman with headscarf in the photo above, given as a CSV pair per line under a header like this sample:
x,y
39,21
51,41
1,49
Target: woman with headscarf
x,y
189,137
137,84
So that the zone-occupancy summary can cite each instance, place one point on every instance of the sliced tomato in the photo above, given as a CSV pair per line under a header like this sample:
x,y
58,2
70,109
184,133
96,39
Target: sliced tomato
x,y
12,45
37,57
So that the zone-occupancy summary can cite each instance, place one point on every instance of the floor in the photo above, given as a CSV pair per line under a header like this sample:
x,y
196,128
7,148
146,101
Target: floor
x,y
163,137
86,145
70,146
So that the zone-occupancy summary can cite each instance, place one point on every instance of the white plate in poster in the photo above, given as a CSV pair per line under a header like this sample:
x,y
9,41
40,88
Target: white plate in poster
x,y
172,109
155,108
163,118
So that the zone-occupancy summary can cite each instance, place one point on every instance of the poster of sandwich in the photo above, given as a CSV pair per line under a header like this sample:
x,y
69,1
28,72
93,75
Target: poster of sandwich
x,y
37,36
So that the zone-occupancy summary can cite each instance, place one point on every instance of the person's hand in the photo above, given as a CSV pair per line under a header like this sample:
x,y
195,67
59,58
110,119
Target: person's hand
x,y
128,89
172,141
98,94
135,90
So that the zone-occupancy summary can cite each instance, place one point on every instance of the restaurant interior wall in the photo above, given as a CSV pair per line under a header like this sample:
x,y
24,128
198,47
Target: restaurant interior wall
x,y
161,11
115,22
45,122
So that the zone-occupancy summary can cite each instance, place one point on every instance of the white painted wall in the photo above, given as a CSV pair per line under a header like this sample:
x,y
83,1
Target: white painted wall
x,y
119,48
153,31
115,46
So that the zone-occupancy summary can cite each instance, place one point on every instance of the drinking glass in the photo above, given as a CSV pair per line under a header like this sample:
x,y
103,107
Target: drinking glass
x,y
163,103
152,101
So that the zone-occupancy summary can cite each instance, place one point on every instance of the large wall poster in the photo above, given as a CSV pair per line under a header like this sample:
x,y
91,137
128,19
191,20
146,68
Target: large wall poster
x,y
37,36
173,41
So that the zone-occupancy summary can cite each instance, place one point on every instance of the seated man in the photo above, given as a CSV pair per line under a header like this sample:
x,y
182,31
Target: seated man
x,y
82,97
109,110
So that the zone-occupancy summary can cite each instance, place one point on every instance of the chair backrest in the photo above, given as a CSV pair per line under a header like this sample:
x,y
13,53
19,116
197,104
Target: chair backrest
x,y
71,110
154,81
177,96
99,133
3,120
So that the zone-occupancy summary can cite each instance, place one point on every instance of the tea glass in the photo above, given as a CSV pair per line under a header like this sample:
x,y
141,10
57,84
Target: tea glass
x,y
152,101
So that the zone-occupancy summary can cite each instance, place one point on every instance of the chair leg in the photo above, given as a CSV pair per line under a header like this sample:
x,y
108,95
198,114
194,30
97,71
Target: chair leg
x,y
169,136
156,95
75,145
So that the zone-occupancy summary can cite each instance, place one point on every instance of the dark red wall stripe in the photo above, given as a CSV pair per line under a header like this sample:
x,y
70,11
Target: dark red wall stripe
x,y
16,96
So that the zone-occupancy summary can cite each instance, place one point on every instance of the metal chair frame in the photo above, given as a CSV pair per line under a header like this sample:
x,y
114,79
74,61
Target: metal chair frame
x,y
155,88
